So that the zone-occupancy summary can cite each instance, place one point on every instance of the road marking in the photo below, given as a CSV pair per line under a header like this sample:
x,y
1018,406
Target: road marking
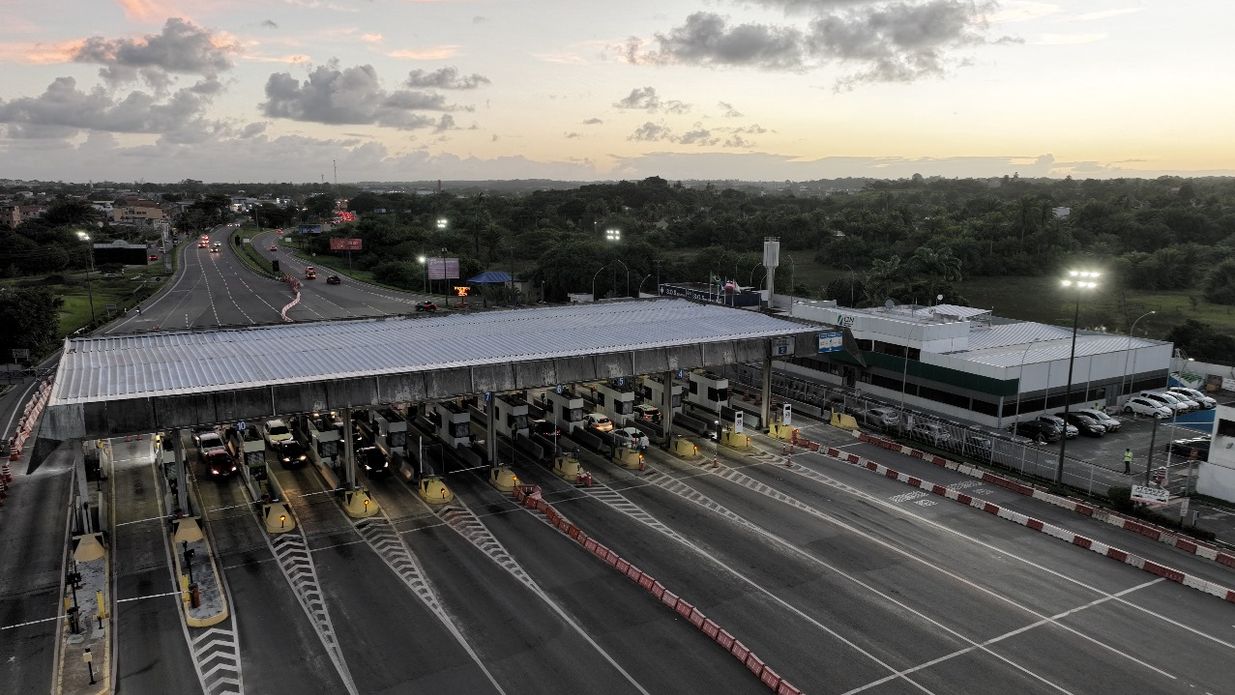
x,y
146,596
14,626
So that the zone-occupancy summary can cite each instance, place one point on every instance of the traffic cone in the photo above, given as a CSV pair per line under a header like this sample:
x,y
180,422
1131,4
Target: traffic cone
x,y
6,472
4,491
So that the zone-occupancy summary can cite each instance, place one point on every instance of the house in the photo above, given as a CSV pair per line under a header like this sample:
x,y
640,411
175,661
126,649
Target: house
x,y
138,213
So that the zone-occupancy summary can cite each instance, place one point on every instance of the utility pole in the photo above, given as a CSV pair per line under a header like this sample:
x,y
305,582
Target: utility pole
x,y
335,167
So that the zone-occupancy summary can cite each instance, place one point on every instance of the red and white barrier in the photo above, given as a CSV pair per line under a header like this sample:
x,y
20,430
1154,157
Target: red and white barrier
x,y
1203,585
293,283
30,416
529,496
1174,539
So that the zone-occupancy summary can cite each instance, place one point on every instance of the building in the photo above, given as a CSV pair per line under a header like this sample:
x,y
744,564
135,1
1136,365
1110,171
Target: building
x,y
967,364
729,295
1216,476
121,252
139,213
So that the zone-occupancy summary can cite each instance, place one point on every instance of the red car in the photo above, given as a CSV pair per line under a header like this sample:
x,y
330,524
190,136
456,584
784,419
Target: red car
x,y
154,257
426,306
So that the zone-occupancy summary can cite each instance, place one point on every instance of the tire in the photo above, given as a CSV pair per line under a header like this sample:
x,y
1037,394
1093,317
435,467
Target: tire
x,y
1128,411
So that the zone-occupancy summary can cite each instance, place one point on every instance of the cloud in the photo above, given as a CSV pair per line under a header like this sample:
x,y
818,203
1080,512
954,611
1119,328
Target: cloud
x,y
444,78
371,38
180,48
651,132
881,41
353,95
39,53
593,121
729,111
571,136
646,99
697,136
145,9
269,24
1104,14
561,58
63,110
1069,39
659,132
431,53
478,19
737,141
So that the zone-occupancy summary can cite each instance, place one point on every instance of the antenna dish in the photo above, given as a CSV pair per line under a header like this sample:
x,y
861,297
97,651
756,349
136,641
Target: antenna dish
x,y
939,298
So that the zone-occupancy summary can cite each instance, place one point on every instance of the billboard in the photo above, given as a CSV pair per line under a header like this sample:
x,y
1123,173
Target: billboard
x,y
440,268
309,229
345,244
831,341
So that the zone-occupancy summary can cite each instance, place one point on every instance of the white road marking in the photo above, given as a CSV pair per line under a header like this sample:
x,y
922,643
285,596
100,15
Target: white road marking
x,y
146,596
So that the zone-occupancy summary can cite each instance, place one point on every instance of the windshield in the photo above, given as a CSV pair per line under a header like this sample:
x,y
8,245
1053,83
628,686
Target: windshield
x,y
278,430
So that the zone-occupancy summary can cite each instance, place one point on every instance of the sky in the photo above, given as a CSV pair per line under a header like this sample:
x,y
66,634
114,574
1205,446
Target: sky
x,y
402,90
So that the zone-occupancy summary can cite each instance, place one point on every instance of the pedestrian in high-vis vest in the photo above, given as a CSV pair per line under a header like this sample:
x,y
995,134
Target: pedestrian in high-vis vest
x,y
1128,461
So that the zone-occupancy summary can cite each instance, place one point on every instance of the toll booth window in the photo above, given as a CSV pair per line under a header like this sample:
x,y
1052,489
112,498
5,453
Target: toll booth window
x,y
718,395
1226,428
600,398
694,386
676,400
169,442
460,429
330,449
624,407
397,439
573,414
517,422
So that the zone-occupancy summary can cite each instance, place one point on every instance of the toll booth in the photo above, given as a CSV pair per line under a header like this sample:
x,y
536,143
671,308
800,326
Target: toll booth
x,y
564,409
615,399
652,390
388,430
454,424
510,416
247,446
322,438
708,392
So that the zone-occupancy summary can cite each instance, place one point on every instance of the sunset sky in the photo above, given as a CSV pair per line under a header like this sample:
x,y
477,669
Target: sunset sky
x,y
273,90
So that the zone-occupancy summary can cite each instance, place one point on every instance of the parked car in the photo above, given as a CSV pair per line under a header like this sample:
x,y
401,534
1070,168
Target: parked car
x,y
883,418
976,442
598,422
931,433
1189,404
1086,423
647,413
276,431
372,460
1112,424
1187,447
334,280
1206,402
1139,405
631,437
426,306
291,452
1171,403
1070,431
1040,431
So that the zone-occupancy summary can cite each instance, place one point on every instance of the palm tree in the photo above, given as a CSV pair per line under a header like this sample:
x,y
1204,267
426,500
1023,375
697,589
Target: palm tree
x,y
938,264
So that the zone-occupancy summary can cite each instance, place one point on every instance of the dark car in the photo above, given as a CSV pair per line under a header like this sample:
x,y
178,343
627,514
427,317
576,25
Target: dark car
x,y
426,306
274,248
292,453
1085,423
334,280
1040,431
219,464
372,460
1071,431
1197,447
546,429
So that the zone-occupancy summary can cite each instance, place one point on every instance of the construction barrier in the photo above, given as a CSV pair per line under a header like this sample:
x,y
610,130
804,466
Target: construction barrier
x,y
30,416
530,496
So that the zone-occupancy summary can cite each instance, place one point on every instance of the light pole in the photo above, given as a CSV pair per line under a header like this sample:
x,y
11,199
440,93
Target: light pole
x,y
639,289
594,276
1078,281
89,270
618,260
1019,378
851,273
1128,354
424,268
442,262
750,281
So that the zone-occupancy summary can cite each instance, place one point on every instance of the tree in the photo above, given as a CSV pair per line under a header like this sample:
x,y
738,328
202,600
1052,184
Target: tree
x,y
1220,284
31,317
938,265
1200,341
319,207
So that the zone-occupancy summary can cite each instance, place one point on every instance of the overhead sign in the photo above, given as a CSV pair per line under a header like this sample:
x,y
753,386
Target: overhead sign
x,y
831,341
1150,495
737,422
309,229
241,425
441,268
782,347
345,244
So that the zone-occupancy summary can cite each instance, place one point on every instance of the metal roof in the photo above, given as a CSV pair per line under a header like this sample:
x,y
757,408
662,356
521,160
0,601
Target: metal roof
x,y
108,368
1033,343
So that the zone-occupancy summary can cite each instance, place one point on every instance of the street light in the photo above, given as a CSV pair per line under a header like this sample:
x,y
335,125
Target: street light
x,y
613,234
750,281
1128,354
442,223
82,236
850,282
424,278
1077,281
1020,386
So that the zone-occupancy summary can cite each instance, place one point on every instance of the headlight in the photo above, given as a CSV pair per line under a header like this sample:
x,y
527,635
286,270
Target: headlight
x,y
303,457
286,459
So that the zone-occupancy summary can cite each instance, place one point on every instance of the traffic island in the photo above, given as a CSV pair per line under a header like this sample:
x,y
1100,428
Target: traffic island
x,y
630,459
433,490
85,648
278,518
503,479
359,505
683,448
201,592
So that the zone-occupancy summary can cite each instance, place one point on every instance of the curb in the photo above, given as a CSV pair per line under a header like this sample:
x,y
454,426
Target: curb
x,y
529,496
1128,558
1178,541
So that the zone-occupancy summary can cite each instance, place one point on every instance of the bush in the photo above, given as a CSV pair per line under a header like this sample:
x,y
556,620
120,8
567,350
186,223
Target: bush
x,y
398,273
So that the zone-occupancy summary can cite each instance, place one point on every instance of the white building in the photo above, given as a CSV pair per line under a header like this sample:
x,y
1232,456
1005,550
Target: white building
x,y
1216,477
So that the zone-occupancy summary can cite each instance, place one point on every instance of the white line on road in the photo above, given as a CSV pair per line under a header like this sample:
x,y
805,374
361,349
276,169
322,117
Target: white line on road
x,y
14,626
17,406
146,596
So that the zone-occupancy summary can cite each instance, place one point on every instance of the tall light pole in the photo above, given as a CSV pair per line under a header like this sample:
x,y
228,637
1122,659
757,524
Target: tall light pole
x,y
1128,354
750,281
1019,378
851,273
1077,281
424,268
89,270
594,276
792,271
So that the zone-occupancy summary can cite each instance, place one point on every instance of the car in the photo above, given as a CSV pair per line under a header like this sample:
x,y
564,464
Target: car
x,y
372,460
216,247
931,432
647,413
1192,447
274,248
977,443
1206,402
291,453
334,280
1086,423
545,428
1112,424
203,244
1040,431
276,431
153,257
1171,403
426,306
208,440
598,422
218,462
310,273
883,418
1138,405
1189,404
631,437
199,432
1070,431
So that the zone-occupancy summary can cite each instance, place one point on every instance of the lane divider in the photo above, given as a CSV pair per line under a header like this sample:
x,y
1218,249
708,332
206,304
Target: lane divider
x,y
293,283
529,496
29,418
1128,558
1179,541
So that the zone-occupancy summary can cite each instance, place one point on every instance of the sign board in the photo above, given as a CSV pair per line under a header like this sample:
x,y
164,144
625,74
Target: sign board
x,y
345,244
681,373
559,389
309,229
21,354
318,406
831,341
1150,495
241,425
782,347
621,381
786,414
441,268
462,290
737,422
846,320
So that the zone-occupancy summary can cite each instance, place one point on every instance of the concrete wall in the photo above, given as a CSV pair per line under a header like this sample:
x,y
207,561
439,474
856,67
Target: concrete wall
x,y
1216,477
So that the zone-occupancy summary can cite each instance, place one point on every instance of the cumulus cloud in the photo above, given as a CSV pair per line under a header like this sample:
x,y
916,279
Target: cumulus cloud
x,y
593,121
180,48
353,95
651,132
697,136
269,24
444,78
880,41
646,99
729,111
571,136
659,132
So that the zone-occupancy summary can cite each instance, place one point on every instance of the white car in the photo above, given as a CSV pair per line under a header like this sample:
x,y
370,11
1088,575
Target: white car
x,y
1139,405
276,431
599,422
1178,405
631,437
1205,401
